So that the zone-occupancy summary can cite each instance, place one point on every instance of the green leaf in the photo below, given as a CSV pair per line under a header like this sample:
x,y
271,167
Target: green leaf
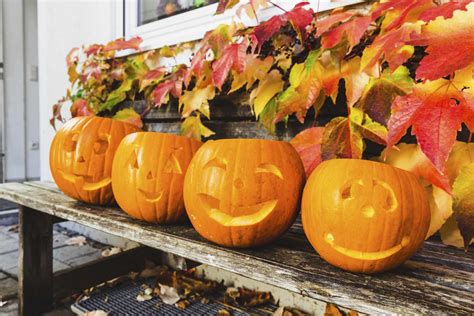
x,y
116,96
129,115
266,90
267,116
379,93
463,202
368,128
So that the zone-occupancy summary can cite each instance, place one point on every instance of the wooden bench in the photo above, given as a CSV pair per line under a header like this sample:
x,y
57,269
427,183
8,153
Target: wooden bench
x,y
438,279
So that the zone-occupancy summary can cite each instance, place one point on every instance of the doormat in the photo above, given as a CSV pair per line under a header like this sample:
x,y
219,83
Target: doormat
x,y
122,300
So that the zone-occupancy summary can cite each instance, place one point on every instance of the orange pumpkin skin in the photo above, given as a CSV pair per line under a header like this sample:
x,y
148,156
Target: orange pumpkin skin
x,y
81,156
243,192
364,216
148,175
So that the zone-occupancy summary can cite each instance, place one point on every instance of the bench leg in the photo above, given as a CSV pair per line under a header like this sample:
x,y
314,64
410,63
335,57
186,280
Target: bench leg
x,y
35,262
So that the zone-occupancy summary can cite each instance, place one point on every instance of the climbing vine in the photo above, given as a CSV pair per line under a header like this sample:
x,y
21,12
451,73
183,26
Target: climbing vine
x,y
403,65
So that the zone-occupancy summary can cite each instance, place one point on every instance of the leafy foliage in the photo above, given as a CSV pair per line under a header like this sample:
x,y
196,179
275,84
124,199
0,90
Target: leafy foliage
x,y
397,63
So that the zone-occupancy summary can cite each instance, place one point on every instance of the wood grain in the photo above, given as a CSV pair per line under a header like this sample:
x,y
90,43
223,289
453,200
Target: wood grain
x,y
438,279
35,262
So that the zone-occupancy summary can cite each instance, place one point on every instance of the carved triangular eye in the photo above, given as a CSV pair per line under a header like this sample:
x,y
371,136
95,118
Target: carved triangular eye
x,y
217,162
269,168
172,165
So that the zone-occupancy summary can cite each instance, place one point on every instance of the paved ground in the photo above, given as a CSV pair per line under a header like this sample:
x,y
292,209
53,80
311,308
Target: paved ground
x,y
64,256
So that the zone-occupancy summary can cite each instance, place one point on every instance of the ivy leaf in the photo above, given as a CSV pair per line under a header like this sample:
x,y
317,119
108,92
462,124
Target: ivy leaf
x,y
308,145
225,4
461,155
352,30
93,49
369,129
439,35
355,81
252,7
192,127
266,90
435,110
299,18
399,12
80,108
121,44
152,77
214,40
409,157
450,234
196,100
336,17
463,203
379,93
233,57
173,84
392,46
129,115
116,96
339,141
303,91
72,59
267,116
255,69
441,207
445,10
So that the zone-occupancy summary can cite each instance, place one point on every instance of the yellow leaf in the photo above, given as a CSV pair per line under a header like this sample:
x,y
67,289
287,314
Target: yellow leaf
x,y
192,127
463,202
450,234
440,206
256,69
266,90
196,100
461,155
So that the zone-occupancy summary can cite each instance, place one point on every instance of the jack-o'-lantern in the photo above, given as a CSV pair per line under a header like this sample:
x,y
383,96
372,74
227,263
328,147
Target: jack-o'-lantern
x,y
148,175
81,157
364,216
243,192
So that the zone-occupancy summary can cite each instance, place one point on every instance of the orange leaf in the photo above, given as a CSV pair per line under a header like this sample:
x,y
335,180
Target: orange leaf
x,y
121,44
439,36
308,145
445,10
353,30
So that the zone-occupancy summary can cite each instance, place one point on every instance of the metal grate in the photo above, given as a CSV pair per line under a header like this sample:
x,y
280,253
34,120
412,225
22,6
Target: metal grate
x,y
121,300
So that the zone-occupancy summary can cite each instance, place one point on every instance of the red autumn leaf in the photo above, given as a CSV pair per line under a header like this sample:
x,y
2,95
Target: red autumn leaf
x,y
72,57
389,46
435,110
233,57
161,91
445,10
80,108
440,36
121,44
353,30
401,7
225,4
404,11
299,18
308,145
93,49
336,17
151,77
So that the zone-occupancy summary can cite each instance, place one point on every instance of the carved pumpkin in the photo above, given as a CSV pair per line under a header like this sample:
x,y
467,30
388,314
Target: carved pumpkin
x,y
81,157
243,192
364,216
148,175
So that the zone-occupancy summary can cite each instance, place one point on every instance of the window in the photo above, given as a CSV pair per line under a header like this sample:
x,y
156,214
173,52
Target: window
x,y
169,22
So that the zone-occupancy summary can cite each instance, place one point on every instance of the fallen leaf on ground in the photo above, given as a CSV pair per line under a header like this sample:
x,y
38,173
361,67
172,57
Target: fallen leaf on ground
x,y
289,311
111,251
144,297
183,304
332,310
246,297
223,312
76,241
169,295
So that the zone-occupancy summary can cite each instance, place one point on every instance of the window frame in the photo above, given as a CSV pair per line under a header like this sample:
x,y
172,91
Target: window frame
x,y
193,24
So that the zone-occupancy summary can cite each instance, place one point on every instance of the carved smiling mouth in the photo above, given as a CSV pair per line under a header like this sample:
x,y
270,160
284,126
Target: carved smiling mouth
x,y
151,197
362,255
257,212
85,181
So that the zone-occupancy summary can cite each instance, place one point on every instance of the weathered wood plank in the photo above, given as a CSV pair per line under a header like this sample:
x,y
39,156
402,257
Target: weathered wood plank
x,y
76,279
434,285
35,262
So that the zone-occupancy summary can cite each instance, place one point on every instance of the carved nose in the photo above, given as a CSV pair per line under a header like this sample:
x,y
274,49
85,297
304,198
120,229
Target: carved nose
x,y
238,183
81,159
149,176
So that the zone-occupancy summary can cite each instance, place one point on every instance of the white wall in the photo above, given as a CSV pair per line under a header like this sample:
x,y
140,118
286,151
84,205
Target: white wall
x,y
62,25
